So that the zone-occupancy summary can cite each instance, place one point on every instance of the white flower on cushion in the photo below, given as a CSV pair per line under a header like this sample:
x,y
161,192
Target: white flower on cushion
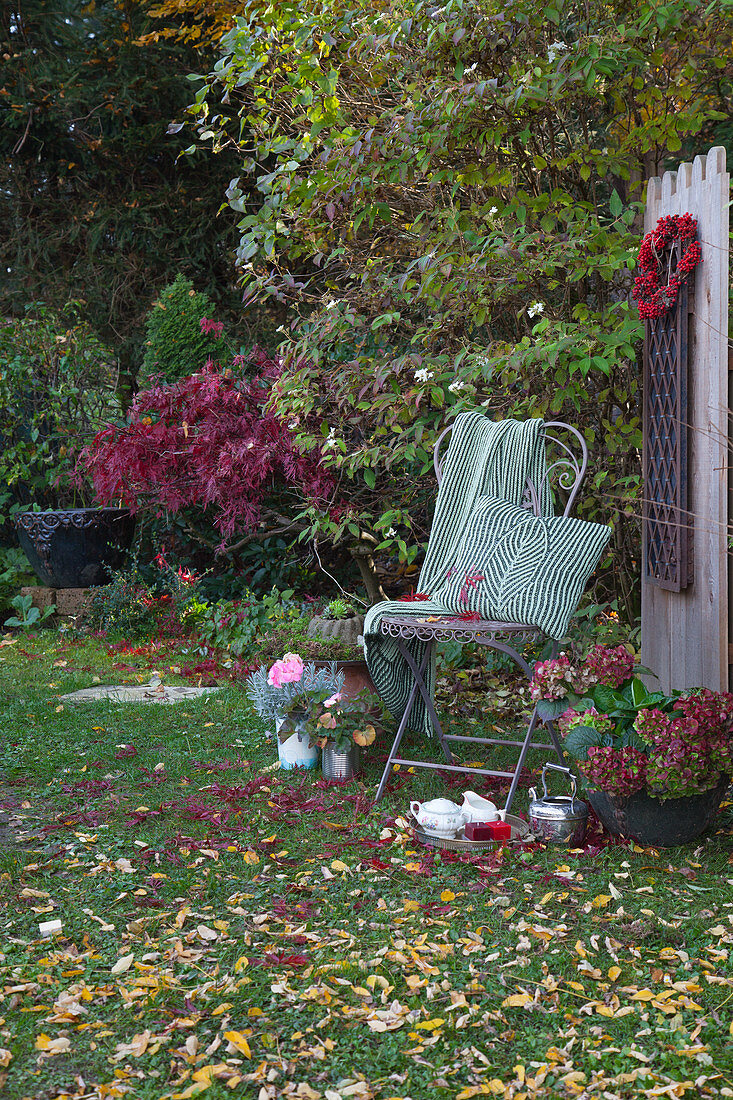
x,y
536,309
423,375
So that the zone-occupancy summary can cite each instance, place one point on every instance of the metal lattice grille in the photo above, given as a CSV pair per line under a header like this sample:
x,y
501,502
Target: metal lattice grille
x,y
667,526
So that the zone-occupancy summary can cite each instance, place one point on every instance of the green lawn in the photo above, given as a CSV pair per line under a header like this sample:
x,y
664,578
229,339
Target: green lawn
x,y
232,929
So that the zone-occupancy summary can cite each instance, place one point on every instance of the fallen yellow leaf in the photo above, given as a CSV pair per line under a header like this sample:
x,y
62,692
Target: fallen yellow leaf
x,y
52,1046
447,895
238,1042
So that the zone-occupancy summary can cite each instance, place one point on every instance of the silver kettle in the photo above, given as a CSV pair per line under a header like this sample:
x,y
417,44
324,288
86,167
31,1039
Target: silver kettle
x,y
560,819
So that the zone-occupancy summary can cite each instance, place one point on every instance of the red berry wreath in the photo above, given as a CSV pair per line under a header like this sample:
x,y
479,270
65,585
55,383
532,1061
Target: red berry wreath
x,y
653,299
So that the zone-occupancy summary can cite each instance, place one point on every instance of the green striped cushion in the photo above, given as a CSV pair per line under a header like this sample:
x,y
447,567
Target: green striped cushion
x,y
513,566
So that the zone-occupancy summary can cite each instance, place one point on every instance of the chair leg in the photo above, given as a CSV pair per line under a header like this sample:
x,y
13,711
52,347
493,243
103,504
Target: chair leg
x,y
520,762
419,677
417,674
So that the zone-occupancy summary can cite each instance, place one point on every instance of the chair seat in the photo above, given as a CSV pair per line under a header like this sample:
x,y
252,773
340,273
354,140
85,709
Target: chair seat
x,y
454,628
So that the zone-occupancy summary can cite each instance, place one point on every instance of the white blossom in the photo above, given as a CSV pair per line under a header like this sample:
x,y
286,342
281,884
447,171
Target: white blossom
x,y
330,440
536,309
423,375
556,48
494,210
457,386
390,533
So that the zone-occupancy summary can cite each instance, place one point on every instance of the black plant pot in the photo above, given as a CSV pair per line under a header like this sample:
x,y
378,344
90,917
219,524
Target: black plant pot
x,y
654,823
76,547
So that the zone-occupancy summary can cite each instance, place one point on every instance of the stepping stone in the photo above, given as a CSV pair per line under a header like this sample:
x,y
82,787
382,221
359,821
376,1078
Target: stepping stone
x,y
138,693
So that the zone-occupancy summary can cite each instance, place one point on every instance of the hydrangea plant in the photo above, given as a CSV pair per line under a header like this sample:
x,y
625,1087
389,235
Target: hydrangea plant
x,y
627,739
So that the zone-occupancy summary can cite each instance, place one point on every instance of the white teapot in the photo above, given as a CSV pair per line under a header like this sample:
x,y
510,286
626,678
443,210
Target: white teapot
x,y
440,816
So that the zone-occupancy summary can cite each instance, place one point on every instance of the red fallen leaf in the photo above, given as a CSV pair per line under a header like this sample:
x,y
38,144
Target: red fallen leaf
x,y
89,786
377,864
413,597
148,902
466,617
239,794
279,959
220,765
125,751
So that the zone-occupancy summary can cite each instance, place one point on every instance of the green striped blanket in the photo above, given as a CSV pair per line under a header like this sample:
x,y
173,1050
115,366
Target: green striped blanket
x,y
485,554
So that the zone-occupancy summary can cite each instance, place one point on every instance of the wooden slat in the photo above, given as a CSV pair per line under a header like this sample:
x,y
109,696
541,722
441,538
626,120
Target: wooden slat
x,y
685,635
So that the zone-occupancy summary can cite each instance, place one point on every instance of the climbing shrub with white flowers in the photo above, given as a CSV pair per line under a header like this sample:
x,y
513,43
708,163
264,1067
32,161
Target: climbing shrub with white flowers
x,y
449,207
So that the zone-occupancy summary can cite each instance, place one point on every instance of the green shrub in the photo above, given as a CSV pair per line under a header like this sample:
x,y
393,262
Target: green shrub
x,y
27,616
241,625
14,573
175,344
57,388
125,606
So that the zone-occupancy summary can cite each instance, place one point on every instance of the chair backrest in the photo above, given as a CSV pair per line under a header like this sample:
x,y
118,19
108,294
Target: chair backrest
x,y
567,462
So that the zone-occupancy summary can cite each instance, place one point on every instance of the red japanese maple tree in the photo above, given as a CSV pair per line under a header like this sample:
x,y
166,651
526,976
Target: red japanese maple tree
x,y
206,441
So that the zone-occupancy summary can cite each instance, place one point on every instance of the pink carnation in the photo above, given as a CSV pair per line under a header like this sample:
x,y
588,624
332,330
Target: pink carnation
x,y
287,671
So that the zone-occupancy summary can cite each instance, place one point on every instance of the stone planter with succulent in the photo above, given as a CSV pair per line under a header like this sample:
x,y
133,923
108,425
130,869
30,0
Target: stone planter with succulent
x,y
340,626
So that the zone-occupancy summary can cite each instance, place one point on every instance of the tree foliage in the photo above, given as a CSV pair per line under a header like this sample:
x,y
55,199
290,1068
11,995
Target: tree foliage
x,y
206,444
95,204
448,204
181,335
57,386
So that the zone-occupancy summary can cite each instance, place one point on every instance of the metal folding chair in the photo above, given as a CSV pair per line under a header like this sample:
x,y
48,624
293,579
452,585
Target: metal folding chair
x,y
566,467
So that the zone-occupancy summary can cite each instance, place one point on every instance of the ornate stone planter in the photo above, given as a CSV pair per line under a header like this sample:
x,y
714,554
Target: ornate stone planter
x,y
654,823
76,547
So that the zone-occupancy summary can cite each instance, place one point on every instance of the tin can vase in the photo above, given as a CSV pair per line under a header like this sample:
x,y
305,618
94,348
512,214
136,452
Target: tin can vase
x,y
340,765
294,751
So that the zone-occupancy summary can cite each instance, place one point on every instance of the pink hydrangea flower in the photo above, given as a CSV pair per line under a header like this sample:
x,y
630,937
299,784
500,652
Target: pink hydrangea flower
x,y
610,665
287,671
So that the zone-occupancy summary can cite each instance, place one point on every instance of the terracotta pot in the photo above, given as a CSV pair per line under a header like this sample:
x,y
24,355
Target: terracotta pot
x,y
356,676
654,823
76,547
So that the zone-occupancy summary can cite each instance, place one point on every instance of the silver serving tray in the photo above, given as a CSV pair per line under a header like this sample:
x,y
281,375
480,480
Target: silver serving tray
x,y
459,843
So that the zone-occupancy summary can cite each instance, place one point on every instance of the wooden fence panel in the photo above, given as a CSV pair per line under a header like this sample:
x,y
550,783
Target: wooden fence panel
x,y
685,635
